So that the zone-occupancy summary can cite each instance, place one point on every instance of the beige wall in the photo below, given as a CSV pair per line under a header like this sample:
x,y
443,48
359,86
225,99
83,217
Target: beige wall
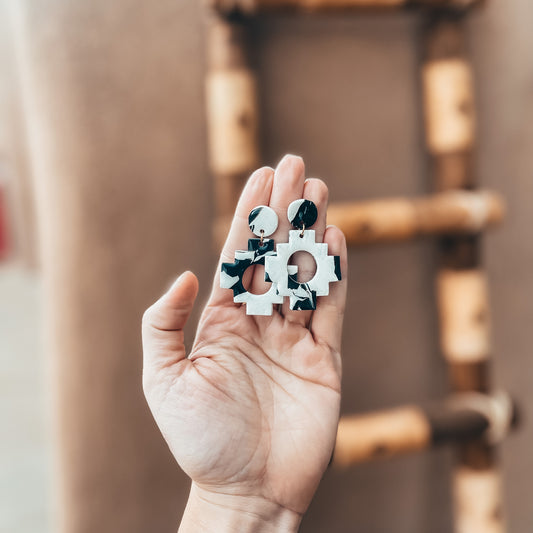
x,y
114,96
14,173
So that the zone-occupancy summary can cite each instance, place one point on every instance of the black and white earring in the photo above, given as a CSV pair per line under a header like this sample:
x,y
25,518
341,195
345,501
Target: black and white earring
x,y
263,221
302,295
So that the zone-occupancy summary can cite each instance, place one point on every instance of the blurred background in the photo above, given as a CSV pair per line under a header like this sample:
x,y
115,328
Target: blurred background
x,y
106,196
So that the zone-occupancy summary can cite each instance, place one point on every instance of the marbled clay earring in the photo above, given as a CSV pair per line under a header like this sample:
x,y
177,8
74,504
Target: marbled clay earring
x,y
263,221
302,295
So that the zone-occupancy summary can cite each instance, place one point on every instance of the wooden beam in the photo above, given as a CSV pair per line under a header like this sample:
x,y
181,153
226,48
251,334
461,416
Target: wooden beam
x,y
232,111
251,7
383,434
379,435
462,293
399,219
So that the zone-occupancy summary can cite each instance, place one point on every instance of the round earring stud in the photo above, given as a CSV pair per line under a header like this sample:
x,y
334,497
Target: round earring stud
x,y
263,221
302,214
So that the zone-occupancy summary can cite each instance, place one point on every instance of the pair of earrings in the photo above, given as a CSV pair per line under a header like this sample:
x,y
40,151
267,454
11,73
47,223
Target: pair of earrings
x,y
263,222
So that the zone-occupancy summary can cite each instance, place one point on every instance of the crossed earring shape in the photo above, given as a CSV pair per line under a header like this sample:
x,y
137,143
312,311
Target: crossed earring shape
x,y
263,221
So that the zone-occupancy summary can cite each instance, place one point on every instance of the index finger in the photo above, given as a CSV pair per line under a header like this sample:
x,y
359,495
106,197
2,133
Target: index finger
x,y
256,192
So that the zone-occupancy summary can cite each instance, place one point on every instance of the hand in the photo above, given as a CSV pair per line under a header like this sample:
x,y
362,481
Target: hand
x,y
251,415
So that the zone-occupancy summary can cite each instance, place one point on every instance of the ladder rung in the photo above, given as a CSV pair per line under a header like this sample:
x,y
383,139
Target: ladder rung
x,y
249,7
382,434
399,219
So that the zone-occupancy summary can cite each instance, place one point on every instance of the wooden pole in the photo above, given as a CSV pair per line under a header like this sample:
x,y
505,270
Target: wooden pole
x,y
398,219
251,7
383,434
232,111
461,284
379,435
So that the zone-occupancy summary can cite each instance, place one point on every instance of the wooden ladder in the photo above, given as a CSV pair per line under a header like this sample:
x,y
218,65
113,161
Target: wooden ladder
x,y
474,418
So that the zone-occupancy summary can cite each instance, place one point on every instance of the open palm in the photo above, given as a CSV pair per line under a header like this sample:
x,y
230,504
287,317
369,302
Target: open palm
x,y
253,409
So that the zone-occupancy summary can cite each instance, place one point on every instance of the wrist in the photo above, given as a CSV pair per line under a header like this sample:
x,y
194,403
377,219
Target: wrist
x,y
215,512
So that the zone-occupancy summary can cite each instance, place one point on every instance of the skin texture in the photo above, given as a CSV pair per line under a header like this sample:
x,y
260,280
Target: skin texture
x,y
251,413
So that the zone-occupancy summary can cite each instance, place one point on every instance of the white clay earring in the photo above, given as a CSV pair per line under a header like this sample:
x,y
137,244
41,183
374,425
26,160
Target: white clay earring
x,y
263,221
302,214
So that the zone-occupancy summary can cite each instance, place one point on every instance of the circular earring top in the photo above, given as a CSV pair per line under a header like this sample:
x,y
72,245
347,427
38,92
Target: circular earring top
x,y
263,221
302,214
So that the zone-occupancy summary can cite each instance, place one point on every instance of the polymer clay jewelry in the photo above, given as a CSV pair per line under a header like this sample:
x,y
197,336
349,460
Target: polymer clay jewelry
x,y
302,295
263,221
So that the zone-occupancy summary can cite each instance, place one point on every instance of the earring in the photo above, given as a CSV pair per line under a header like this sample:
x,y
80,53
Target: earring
x,y
302,214
263,222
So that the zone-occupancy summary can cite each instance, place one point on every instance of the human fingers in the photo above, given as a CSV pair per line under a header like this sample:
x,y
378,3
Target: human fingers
x,y
326,325
256,192
162,327
287,186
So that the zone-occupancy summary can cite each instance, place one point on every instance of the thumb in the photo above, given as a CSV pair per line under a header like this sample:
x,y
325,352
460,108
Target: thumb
x,y
163,323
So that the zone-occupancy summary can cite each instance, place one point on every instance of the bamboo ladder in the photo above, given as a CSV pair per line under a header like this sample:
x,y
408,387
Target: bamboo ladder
x,y
474,418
